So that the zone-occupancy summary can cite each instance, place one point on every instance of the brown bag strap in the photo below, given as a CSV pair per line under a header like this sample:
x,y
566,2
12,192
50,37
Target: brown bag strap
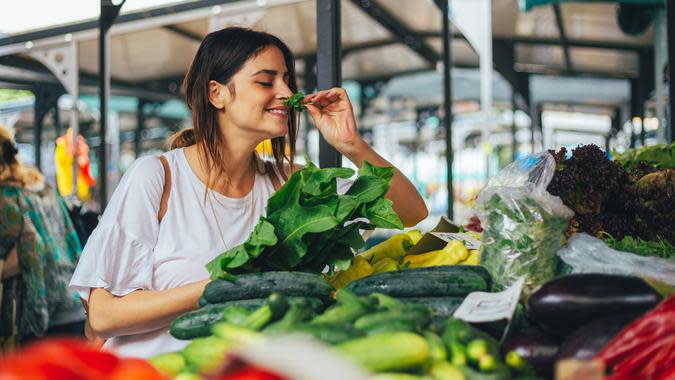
x,y
166,191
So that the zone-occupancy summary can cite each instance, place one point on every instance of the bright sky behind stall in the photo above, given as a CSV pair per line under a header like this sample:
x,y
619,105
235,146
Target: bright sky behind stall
x,y
26,15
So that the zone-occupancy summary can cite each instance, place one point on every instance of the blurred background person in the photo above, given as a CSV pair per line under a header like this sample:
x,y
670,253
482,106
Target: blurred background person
x,y
39,250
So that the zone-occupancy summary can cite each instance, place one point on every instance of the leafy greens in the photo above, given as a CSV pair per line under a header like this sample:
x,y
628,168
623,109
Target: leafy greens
x,y
308,225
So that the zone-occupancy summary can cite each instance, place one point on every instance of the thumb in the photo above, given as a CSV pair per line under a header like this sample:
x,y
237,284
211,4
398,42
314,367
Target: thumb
x,y
314,112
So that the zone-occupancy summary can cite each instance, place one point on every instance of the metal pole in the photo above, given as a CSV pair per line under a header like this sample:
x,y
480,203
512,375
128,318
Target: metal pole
x,y
140,119
37,140
670,20
109,11
447,104
57,120
328,57
514,142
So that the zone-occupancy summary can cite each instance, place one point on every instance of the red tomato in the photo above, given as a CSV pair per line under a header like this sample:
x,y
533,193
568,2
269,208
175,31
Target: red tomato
x,y
135,369
251,373
60,358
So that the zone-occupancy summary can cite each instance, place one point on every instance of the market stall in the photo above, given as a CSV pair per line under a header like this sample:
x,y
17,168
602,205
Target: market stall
x,y
567,272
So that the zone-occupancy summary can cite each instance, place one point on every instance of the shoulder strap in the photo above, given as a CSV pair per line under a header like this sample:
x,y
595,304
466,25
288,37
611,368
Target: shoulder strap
x,y
166,190
269,169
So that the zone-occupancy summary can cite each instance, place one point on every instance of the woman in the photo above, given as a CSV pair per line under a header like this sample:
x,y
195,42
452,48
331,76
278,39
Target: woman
x,y
145,263
39,250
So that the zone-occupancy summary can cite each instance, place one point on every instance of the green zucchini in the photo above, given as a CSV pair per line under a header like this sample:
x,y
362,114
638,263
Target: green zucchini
x,y
329,333
260,285
441,281
416,319
440,307
387,352
198,323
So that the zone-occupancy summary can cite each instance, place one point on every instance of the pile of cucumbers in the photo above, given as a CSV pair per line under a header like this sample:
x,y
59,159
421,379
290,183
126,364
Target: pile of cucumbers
x,y
395,324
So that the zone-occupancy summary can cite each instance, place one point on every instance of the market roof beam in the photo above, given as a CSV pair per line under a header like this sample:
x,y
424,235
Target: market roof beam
x,y
563,36
401,31
184,33
88,81
530,40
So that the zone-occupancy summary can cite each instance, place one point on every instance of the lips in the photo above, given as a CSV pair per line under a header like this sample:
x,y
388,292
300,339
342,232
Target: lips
x,y
278,111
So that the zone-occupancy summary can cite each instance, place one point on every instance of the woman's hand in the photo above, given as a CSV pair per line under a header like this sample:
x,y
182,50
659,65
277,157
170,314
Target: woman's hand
x,y
333,115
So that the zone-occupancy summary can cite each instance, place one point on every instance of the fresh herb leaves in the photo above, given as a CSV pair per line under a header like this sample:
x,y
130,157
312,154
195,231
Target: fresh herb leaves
x,y
309,225
296,101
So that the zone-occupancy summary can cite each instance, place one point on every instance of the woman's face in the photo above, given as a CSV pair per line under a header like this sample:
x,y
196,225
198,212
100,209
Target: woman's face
x,y
260,88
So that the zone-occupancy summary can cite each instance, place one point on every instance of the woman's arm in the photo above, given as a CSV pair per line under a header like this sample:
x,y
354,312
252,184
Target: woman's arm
x,y
333,115
140,311
408,203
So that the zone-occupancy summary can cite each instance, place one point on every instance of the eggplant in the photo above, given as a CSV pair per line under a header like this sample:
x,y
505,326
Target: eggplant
x,y
536,346
588,340
566,303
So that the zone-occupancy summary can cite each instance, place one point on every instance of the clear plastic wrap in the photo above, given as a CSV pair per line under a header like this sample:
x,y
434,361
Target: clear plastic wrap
x,y
587,254
524,225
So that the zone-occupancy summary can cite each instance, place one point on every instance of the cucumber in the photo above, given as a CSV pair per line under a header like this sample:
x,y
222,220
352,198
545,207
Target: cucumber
x,y
260,285
415,318
441,281
202,302
274,309
348,308
437,350
329,333
299,311
198,323
440,307
387,352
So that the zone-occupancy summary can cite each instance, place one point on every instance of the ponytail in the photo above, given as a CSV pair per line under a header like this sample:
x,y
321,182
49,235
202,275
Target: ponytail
x,y
182,139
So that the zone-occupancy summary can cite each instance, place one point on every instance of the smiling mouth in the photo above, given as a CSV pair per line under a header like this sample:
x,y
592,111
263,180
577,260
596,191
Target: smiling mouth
x,y
278,112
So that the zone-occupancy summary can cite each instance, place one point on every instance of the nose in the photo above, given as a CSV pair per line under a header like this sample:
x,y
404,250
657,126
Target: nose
x,y
284,92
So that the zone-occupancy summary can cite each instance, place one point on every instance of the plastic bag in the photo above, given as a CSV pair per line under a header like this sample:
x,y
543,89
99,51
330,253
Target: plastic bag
x,y
524,225
587,254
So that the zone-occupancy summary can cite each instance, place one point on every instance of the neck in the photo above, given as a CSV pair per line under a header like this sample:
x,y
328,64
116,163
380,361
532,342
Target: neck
x,y
239,165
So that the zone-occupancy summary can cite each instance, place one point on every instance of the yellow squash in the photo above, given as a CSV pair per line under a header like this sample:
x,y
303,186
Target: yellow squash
x,y
451,254
360,268
385,265
395,247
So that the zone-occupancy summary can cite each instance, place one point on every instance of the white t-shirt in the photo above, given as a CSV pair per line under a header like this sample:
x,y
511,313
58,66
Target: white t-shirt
x,y
130,250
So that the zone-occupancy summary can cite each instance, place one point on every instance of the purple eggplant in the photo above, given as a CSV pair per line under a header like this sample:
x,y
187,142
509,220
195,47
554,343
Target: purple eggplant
x,y
566,303
588,340
536,346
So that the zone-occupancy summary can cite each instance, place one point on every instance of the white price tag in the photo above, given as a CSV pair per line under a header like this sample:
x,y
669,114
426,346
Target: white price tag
x,y
469,241
487,307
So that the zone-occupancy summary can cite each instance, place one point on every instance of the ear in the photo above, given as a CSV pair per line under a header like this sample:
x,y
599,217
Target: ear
x,y
217,95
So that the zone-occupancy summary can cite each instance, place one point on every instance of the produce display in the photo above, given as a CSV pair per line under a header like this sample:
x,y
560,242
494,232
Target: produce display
x,y
391,338
609,200
390,309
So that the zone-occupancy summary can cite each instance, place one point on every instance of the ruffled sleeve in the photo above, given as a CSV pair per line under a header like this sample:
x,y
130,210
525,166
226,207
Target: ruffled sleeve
x,y
118,256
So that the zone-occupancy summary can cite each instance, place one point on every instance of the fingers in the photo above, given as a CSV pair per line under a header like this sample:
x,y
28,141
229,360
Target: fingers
x,y
326,97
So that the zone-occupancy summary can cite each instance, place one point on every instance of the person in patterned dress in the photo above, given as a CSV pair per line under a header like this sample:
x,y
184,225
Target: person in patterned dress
x,y
39,250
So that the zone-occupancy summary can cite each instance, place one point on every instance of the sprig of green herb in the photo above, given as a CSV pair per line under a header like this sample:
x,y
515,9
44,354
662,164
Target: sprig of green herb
x,y
297,102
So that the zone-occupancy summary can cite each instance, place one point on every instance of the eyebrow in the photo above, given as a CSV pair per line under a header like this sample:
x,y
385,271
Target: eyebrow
x,y
269,72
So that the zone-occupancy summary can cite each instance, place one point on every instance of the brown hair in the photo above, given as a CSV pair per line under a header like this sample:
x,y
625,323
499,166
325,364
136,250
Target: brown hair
x,y
11,169
220,56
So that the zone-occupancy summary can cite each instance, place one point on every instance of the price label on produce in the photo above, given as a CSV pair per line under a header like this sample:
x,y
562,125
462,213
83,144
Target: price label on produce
x,y
469,241
480,307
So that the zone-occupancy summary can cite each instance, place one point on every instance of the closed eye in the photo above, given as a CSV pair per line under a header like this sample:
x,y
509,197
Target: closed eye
x,y
265,84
